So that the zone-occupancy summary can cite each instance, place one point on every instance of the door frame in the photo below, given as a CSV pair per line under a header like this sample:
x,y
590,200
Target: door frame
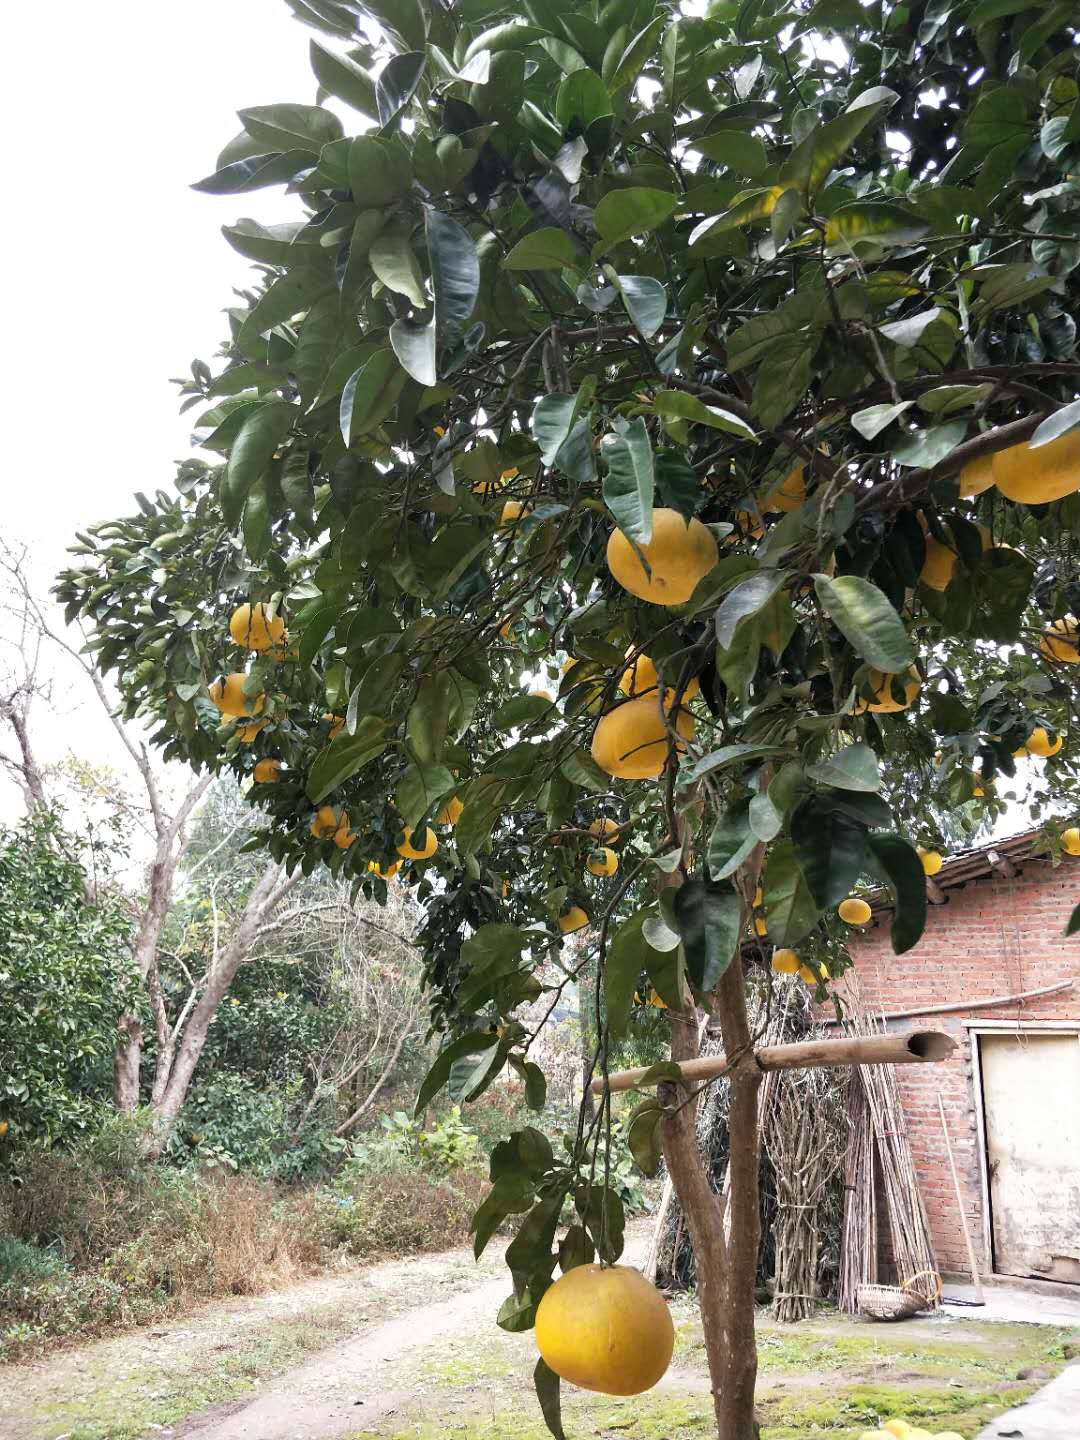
x,y
975,1029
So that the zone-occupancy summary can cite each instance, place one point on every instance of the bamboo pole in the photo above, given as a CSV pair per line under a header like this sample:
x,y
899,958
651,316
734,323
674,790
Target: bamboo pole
x,y
916,1047
975,1277
951,1007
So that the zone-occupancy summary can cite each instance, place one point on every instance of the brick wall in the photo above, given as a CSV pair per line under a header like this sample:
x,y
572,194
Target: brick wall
x,y
992,937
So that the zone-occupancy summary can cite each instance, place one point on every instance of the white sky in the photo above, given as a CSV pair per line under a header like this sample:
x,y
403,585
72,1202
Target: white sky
x,y
117,270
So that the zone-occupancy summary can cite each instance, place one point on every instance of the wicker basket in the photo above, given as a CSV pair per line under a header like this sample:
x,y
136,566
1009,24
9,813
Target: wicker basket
x,y
896,1302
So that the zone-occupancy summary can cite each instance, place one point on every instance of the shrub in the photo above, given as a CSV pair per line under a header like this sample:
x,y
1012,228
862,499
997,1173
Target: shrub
x,y
400,1211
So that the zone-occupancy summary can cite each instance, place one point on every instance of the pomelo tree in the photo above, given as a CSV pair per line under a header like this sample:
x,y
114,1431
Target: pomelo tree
x,y
654,449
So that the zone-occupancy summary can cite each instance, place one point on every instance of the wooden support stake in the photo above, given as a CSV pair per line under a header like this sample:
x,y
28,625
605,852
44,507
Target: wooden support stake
x,y
916,1047
975,1278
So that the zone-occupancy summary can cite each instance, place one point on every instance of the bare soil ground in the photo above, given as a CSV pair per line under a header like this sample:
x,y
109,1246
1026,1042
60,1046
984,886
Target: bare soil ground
x,y
411,1349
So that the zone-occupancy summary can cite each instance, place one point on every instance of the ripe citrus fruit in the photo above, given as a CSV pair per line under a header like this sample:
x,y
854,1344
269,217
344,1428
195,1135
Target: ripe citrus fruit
x,y
785,962
450,812
1070,840
388,873
631,741
1062,642
1035,476
228,695
931,860
881,685
641,678
573,919
898,1428
3,1128
939,564
808,974
605,1329
678,555
426,850
853,911
604,829
266,772
325,823
247,733
1039,743
789,494
252,627
602,862
761,925
512,512
976,476
336,724
343,837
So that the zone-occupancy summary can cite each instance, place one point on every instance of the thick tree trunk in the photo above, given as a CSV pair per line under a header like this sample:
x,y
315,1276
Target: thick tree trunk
x,y
127,1056
725,1246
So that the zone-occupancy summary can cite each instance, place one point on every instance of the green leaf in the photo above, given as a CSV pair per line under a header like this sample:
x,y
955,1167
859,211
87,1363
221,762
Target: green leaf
x,y
633,211
754,205
745,600
869,220
766,821
927,448
582,98
522,710
709,919
789,906
831,850
260,435
552,420
867,621
318,339
875,418
731,841
507,36
397,84
645,300
899,865
511,1194
344,756
581,769
418,790
853,768
535,1086
428,719
545,249
396,266
370,395
999,116
286,297
729,755
291,127
908,332
255,173
743,153
629,481
455,275
414,346
1059,423
629,953
643,1135
439,1073
377,177
678,405
546,1383
810,163
1074,922
343,78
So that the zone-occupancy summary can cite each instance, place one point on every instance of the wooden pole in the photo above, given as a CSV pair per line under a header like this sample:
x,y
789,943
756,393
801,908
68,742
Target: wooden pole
x,y
950,1007
975,1278
916,1047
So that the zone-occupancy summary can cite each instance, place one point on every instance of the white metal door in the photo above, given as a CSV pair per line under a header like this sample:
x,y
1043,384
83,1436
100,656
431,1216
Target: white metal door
x,y
1031,1100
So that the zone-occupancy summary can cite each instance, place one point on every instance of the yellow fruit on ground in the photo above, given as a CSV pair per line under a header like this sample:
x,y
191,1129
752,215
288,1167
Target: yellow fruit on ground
x,y
325,823
631,741
336,724
899,1429
605,1329
425,851
939,564
266,772
880,684
604,829
388,873
602,862
1062,642
252,627
512,512
678,556
785,962
918,1433
1039,743
1034,477
976,476
853,911
789,494
761,925
228,695
931,860
1070,840
641,678
450,812
343,837
247,733
808,974
573,919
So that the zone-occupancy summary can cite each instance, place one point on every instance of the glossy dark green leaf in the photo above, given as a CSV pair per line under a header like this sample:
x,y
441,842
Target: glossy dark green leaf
x,y
632,211
342,77
377,176
1059,423
899,865
255,173
628,954
867,621
709,919
741,152
397,84
344,756
831,851
855,767
790,910
455,274
396,266
643,1135
260,435
552,420
370,395
744,601
545,249
810,162
731,841
547,1386
629,481
645,300
291,127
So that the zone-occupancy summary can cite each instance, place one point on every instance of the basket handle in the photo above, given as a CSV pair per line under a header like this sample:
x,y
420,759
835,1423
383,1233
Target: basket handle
x,y
911,1284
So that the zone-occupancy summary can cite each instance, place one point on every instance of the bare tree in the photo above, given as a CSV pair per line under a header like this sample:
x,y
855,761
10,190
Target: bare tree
x,y
179,1041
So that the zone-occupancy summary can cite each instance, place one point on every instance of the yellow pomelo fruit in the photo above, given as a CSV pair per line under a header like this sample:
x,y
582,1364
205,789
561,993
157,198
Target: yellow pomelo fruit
x,y
343,837
808,974
1070,840
1035,476
785,962
631,741
899,1429
251,627
602,862
604,829
605,1329
450,812
789,494
426,850
336,724
267,771
678,555
824,970
853,911
881,685
573,919
247,733
512,512
931,860
939,564
1062,642
976,476
228,695
325,823
1039,743
641,678
388,873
